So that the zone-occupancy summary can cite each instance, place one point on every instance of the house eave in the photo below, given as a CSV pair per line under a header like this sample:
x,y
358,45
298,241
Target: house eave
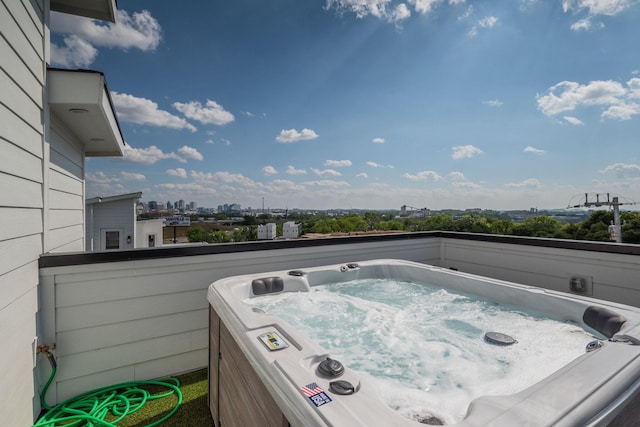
x,y
104,10
81,100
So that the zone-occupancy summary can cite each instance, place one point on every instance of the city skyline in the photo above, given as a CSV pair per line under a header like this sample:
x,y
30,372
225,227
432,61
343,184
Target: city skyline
x,y
342,104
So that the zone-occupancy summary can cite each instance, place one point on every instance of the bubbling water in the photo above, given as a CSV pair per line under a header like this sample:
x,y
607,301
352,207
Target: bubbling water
x,y
423,345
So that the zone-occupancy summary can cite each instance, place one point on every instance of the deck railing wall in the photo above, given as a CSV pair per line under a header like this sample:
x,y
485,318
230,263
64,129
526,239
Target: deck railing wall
x,y
143,314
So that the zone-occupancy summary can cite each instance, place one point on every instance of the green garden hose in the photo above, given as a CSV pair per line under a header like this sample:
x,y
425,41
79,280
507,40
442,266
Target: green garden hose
x,y
115,402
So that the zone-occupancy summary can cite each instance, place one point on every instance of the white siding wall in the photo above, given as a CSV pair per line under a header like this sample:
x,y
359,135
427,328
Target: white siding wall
x,y
146,228
22,76
612,277
113,215
65,191
121,321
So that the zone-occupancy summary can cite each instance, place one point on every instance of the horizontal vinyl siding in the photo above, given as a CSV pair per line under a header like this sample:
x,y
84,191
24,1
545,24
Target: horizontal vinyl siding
x,y
18,192
66,192
615,276
29,52
20,73
19,132
16,100
66,239
61,218
21,180
18,222
20,163
18,330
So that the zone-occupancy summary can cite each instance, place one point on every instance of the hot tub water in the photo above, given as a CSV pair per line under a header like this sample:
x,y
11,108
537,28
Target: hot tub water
x,y
424,345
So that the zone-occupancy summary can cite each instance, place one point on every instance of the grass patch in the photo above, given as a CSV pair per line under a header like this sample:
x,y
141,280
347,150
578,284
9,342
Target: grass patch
x,y
193,412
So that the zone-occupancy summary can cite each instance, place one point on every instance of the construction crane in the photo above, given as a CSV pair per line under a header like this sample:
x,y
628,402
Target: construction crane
x,y
598,200
422,212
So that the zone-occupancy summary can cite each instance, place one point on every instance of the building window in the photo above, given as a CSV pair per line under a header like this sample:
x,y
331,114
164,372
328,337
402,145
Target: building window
x,y
112,240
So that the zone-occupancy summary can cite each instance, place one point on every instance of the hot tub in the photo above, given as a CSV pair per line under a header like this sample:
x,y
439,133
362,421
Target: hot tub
x,y
265,370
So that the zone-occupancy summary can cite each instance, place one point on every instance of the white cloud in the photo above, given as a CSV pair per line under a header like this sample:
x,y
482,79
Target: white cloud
x,y
530,149
527,183
248,113
99,178
466,184
328,183
378,165
456,176
486,22
623,170
139,30
581,25
399,13
382,9
467,13
130,176
378,140
465,151
597,7
424,6
362,175
622,111
423,176
269,170
337,163
493,103
179,172
634,86
190,153
326,172
223,177
147,156
292,135
567,96
76,53
573,120
143,111
212,113
190,187
293,171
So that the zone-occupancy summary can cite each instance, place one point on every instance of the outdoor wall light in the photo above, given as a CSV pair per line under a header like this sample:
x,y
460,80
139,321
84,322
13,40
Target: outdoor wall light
x,y
128,239
78,110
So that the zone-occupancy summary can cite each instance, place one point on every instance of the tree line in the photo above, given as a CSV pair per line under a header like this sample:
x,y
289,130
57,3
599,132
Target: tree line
x,y
595,228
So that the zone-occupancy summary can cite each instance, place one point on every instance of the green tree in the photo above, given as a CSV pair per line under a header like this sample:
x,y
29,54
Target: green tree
x,y
373,219
471,223
500,226
196,234
539,226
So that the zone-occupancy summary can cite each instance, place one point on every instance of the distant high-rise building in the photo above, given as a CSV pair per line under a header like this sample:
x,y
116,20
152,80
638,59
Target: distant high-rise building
x,y
192,206
153,206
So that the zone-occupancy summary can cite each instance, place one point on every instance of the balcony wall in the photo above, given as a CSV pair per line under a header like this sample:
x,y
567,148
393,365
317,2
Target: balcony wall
x,y
141,314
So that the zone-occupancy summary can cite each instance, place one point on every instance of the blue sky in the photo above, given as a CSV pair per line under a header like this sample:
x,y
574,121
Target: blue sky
x,y
371,104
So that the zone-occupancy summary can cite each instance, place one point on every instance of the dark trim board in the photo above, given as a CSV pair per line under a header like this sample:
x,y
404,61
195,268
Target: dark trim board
x,y
80,258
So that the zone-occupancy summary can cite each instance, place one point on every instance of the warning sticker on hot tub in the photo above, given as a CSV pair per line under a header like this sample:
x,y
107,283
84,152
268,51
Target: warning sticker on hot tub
x,y
316,395
273,341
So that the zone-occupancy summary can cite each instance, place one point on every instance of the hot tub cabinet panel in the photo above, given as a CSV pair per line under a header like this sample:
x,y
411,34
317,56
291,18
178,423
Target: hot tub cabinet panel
x,y
237,396
253,385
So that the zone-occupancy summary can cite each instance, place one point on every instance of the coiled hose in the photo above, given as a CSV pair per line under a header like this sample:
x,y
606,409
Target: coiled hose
x,y
115,401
